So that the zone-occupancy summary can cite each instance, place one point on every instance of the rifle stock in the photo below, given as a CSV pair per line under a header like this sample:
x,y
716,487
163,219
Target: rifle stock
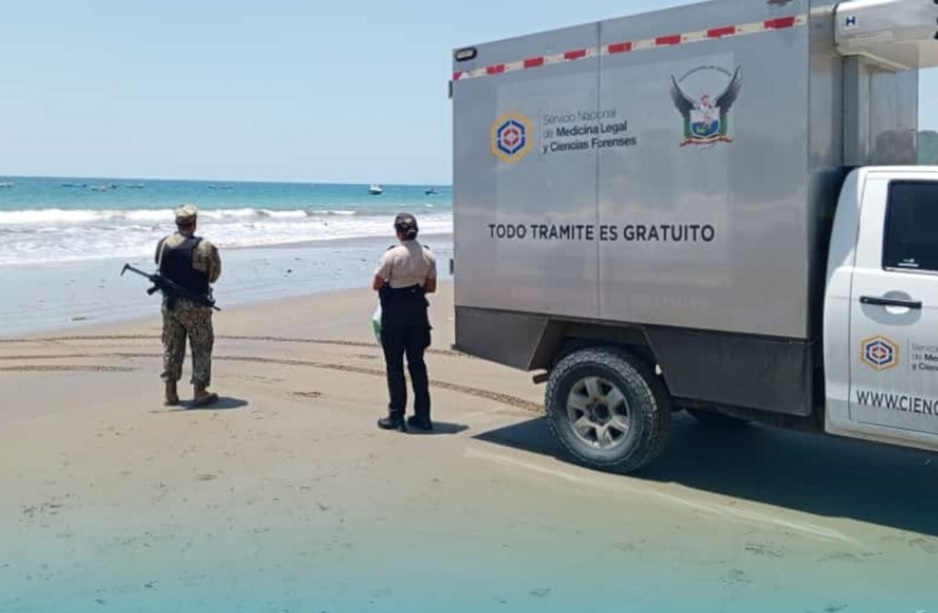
x,y
161,283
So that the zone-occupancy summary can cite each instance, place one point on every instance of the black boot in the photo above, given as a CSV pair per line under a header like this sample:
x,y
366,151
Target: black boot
x,y
392,422
420,423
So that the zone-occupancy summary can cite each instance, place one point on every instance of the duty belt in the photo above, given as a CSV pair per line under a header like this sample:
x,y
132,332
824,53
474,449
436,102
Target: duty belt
x,y
413,294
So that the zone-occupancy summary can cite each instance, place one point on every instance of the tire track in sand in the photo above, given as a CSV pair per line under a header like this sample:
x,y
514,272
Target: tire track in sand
x,y
66,367
506,399
262,339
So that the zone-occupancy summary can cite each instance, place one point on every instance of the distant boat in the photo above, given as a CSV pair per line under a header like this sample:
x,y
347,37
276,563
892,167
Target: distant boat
x,y
375,190
7,185
430,191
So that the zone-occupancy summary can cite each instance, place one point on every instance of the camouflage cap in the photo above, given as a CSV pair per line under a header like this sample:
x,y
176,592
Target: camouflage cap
x,y
186,214
405,222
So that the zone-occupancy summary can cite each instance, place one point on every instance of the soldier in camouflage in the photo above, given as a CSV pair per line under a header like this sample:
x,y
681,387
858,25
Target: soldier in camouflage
x,y
192,262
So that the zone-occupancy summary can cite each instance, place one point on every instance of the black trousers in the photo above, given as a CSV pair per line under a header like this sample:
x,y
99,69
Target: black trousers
x,y
410,340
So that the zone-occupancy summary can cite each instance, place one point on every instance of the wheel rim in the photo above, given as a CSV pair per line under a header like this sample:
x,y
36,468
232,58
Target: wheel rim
x,y
599,413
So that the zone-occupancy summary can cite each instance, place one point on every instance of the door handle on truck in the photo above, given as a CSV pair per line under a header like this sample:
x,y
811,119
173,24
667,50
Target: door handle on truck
x,y
895,302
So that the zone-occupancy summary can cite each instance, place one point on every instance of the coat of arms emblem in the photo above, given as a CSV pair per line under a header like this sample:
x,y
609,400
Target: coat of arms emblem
x,y
706,116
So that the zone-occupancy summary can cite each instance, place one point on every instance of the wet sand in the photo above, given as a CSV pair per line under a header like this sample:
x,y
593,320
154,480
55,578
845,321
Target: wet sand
x,y
286,497
73,295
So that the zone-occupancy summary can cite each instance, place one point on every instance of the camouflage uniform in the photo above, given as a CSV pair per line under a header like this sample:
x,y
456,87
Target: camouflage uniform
x,y
183,317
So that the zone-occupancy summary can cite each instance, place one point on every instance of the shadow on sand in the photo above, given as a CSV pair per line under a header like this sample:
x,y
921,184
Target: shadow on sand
x,y
440,428
811,473
224,404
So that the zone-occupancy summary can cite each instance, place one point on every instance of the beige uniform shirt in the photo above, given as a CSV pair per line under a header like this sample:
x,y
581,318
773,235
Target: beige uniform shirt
x,y
409,263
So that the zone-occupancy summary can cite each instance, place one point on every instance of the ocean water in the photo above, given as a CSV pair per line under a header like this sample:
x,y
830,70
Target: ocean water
x,y
47,220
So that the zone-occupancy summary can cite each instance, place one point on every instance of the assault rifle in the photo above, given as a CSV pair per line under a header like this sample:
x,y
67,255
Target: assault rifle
x,y
170,288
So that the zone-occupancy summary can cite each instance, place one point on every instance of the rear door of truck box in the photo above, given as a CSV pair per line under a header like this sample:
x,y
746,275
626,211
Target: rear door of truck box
x,y
521,206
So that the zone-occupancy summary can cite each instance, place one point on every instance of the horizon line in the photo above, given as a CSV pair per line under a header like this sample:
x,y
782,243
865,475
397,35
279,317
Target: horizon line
x,y
218,180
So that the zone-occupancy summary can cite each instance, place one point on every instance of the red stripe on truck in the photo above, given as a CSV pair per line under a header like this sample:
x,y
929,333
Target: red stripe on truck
x,y
669,40
780,23
620,48
721,32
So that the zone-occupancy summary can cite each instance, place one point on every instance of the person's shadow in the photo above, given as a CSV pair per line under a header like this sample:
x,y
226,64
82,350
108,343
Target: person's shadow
x,y
444,428
224,403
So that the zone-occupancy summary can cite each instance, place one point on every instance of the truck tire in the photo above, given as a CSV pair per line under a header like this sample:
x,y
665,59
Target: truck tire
x,y
608,409
712,419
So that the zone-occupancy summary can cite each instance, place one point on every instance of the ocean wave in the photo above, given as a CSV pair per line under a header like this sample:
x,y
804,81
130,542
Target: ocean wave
x,y
52,235
57,217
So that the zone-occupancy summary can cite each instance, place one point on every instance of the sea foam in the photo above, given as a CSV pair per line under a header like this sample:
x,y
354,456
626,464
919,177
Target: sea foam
x,y
53,234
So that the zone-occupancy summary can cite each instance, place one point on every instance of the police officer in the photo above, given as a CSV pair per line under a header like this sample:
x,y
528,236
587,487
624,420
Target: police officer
x,y
194,263
406,273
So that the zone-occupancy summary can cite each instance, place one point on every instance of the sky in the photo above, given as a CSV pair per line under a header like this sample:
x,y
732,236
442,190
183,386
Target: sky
x,y
343,91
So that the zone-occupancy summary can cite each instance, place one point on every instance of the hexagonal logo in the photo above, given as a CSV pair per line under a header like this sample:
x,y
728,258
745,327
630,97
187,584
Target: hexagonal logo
x,y
511,137
879,353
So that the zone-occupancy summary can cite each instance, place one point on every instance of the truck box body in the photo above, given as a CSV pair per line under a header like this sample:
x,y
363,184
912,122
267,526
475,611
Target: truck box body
x,y
672,174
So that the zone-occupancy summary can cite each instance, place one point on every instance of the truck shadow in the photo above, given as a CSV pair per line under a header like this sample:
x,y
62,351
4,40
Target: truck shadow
x,y
815,474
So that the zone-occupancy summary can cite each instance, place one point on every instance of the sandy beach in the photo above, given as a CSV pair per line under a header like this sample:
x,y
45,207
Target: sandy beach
x,y
286,497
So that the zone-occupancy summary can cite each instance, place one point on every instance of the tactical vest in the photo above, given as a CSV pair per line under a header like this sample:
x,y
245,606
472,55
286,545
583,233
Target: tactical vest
x,y
176,265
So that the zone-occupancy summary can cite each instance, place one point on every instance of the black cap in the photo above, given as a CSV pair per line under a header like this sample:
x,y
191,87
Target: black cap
x,y
405,223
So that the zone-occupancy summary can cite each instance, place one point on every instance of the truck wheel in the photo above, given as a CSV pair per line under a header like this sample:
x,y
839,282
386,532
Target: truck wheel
x,y
608,409
713,419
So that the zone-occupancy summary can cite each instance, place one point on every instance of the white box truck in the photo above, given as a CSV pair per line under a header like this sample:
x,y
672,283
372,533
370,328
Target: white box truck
x,y
714,208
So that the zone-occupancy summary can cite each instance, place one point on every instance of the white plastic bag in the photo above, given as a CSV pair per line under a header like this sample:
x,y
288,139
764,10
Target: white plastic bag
x,y
376,323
